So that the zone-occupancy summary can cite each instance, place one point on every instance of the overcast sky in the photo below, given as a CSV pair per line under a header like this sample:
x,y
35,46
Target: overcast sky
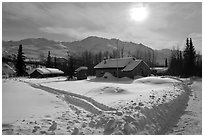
x,y
166,24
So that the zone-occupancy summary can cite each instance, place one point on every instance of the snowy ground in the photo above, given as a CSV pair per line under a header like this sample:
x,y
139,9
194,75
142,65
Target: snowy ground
x,y
93,106
21,102
113,93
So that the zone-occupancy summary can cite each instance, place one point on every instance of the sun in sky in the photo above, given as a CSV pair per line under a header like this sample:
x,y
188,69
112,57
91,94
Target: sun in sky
x,y
138,13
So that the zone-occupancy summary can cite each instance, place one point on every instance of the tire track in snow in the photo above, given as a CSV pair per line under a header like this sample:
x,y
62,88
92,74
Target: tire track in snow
x,y
84,102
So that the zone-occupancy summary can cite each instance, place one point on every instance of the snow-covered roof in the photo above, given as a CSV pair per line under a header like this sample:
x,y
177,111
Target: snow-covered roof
x,y
114,63
81,68
128,63
48,71
55,71
43,70
160,69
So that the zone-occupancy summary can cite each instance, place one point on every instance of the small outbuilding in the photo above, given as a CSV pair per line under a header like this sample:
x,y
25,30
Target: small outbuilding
x,y
45,72
123,67
81,73
159,71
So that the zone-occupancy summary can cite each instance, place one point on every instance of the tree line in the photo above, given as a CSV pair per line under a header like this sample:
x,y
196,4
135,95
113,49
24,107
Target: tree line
x,y
91,59
185,63
85,58
182,63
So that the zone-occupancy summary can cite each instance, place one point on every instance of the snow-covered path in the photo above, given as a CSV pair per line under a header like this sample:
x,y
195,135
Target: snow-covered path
x,y
190,122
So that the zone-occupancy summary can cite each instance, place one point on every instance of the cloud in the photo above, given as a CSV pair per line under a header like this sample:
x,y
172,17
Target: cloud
x,y
195,35
166,22
75,33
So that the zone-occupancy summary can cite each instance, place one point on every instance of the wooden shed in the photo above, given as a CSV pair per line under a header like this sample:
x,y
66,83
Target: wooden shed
x,y
81,73
123,67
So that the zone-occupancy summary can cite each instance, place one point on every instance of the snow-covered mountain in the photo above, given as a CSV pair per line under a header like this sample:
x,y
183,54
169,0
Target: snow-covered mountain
x,y
34,47
39,47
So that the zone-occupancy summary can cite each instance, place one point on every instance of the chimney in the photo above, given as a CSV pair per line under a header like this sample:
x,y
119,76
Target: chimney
x,y
104,60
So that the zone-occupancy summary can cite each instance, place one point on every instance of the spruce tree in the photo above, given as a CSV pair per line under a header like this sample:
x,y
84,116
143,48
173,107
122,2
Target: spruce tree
x,y
172,69
48,63
166,63
189,58
55,62
20,64
71,69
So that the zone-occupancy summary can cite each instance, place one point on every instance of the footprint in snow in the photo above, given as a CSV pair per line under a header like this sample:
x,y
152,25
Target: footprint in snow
x,y
53,127
75,131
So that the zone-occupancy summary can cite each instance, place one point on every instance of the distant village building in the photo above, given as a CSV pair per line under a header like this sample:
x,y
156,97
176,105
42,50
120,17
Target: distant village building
x,y
123,67
45,72
81,73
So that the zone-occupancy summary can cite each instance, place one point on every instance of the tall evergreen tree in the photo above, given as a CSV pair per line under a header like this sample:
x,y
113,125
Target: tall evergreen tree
x,y
71,68
172,65
198,65
55,62
166,62
189,58
48,63
180,63
20,64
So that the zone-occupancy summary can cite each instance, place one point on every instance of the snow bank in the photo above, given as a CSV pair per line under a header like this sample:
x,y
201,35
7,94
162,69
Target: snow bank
x,y
190,123
108,77
163,116
83,104
155,80
42,80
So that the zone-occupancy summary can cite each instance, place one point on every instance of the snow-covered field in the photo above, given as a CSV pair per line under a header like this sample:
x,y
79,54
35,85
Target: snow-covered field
x,y
94,106
113,93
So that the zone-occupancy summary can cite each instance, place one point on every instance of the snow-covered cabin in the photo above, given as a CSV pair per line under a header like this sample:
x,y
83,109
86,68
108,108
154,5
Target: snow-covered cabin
x,y
45,72
127,67
81,72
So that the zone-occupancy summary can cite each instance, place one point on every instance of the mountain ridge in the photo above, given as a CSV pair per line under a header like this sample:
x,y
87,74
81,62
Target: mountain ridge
x,y
39,47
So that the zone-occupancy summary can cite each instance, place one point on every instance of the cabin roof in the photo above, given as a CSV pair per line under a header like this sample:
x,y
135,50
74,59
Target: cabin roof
x,y
127,64
114,63
81,68
132,65
48,71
